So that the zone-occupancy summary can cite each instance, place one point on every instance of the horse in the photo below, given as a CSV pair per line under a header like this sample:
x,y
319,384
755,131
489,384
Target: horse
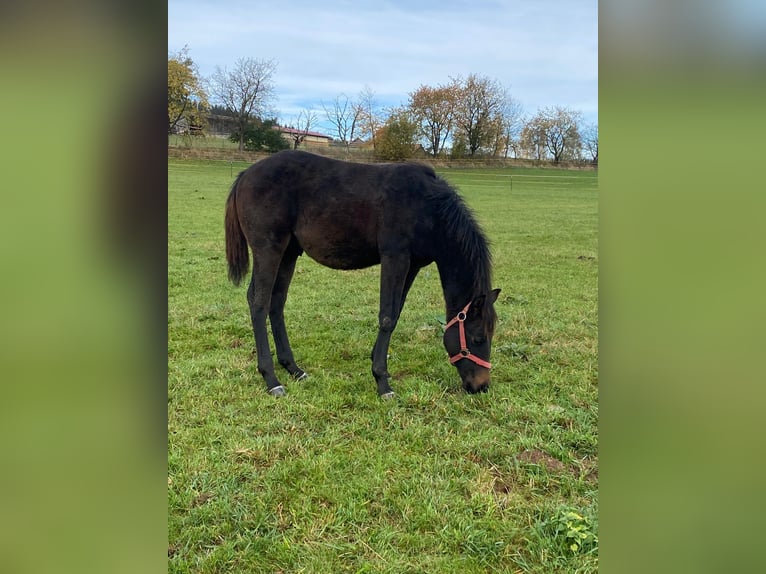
x,y
347,215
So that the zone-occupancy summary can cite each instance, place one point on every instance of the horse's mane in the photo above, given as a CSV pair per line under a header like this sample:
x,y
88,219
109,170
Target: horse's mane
x,y
467,237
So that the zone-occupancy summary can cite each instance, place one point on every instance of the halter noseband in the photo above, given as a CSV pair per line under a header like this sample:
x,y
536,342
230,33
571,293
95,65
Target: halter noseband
x,y
465,352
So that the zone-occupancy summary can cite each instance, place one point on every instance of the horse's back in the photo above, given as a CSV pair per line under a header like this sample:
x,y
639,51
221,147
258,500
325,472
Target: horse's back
x,y
343,214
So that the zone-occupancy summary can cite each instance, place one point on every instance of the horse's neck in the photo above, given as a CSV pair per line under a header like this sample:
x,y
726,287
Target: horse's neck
x,y
461,266
457,279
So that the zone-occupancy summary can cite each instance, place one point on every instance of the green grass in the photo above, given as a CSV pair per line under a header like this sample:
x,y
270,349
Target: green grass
x,y
333,479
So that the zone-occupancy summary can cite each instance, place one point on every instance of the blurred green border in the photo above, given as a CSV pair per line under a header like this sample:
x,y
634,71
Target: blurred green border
x,y
682,118
681,291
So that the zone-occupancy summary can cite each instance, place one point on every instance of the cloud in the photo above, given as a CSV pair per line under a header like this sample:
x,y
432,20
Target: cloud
x,y
544,52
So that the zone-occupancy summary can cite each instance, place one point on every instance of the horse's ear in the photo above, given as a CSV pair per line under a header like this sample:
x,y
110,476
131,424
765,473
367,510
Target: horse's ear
x,y
478,303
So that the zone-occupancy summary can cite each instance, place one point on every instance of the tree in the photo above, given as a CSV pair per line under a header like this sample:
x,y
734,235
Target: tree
x,y
345,117
187,99
246,91
396,139
533,138
459,147
497,145
220,111
562,135
369,115
261,136
433,110
512,114
553,132
590,141
302,126
480,101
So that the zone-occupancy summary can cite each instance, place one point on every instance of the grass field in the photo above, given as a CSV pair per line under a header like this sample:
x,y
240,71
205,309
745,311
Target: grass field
x,y
333,479
208,141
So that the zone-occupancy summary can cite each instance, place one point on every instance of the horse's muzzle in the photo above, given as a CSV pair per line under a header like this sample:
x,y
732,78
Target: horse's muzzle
x,y
477,382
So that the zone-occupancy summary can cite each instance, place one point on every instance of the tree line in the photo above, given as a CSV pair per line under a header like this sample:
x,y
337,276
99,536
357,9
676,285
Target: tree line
x,y
466,117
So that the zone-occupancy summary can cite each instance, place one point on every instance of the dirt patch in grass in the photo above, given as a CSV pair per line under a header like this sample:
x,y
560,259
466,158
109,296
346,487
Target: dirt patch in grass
x,y
258,458
503,484
201,499
507,483
542,459
587,469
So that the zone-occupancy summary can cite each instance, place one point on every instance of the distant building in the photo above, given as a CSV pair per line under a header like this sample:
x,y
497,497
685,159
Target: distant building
x,y
224,125
359,143
221,125
309,138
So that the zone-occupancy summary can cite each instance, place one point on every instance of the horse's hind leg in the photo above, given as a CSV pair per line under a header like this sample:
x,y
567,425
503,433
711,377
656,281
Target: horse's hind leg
x,y
277,310
266,263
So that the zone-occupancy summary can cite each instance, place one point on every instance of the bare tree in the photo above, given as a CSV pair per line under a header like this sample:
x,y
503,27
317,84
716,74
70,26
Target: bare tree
x,y
246,91
345,117
590,141
562,136
512,113
302,126
370,115
433,109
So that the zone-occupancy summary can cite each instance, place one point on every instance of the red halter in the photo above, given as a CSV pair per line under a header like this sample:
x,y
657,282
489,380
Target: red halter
x,y
465,352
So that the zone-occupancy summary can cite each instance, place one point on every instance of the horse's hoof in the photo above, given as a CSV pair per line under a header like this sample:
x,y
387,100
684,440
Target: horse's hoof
x,y
278,391
387,396
302,376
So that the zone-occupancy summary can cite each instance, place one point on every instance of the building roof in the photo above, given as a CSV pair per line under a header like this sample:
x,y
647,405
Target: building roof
x,y
293,131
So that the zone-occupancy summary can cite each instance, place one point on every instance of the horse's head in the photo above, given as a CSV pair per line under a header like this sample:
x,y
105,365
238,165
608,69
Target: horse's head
x,y
468,340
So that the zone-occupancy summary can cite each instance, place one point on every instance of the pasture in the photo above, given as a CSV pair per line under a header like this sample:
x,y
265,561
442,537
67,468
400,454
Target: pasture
x,y
334,479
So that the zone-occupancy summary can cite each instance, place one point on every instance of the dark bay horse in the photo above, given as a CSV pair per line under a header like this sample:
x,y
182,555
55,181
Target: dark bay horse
x,y
351,216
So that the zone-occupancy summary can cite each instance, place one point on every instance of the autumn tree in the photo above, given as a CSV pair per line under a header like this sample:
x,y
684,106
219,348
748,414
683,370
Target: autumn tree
x,y
496,140
187,99
554,131
433,109
396,139
480,101
246,91
533,139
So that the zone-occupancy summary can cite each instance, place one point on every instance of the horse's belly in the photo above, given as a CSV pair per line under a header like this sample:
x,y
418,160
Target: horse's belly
x,y
346,251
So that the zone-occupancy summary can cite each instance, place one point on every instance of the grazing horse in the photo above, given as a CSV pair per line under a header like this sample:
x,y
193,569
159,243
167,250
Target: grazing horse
x,y
350,216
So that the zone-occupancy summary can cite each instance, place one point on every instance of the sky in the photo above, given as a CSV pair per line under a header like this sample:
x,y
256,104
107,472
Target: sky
x,y
545,52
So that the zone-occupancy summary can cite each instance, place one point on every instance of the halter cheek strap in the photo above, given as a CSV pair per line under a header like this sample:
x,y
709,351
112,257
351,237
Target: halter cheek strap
x,y
465,352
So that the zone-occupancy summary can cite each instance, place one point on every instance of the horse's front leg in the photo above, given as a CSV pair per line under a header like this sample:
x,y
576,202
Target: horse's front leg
x,y
393,277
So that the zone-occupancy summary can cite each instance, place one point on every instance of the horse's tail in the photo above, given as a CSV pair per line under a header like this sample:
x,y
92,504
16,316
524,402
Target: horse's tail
x,y
236,244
